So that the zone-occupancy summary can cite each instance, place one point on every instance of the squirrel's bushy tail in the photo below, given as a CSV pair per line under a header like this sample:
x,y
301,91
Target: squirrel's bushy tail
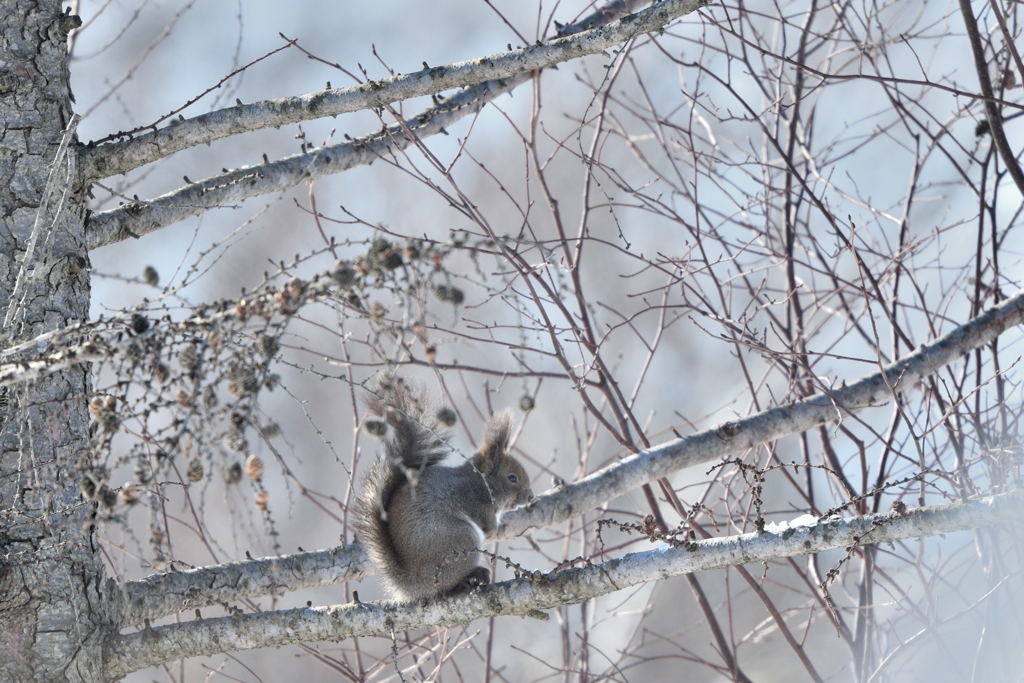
x,y
416,440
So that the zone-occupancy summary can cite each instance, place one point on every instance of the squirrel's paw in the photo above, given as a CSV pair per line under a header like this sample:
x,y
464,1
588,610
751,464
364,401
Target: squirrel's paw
x,y
480,576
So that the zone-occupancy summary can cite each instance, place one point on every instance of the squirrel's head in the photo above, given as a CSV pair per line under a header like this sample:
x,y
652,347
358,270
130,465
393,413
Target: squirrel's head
x,y
507,479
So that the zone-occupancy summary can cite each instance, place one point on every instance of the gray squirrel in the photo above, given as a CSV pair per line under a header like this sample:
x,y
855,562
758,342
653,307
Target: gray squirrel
x,y
423,523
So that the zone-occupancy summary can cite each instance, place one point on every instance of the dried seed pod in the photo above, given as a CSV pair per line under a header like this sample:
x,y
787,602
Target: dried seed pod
x,y
161,372
188,358
234,440
129,493
344,274
195,471
242,380
451,294
102,410
87,485
383,253
139,323
233,474
143,473
254,467
268,345
242,310
377,312
108,496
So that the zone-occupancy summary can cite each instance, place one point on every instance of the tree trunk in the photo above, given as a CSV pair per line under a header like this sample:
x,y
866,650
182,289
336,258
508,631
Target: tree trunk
x,y
52,616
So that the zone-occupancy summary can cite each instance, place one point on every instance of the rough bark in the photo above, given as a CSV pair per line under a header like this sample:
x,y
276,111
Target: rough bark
x,y
52,618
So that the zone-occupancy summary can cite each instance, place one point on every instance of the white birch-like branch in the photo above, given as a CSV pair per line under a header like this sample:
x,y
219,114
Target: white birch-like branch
x,y
142,217
631,472
728,438
153,646
585,38
178,591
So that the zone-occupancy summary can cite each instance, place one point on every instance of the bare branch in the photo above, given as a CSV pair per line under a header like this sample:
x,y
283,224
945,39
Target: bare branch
x,y
152,646
141,218
732,437
124,155
992,114
177,591
619,478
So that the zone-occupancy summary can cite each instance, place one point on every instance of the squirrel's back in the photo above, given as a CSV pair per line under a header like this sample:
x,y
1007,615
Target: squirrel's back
x,y
416,441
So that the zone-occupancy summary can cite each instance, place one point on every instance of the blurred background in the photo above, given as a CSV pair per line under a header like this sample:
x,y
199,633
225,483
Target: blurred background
x,y
760,203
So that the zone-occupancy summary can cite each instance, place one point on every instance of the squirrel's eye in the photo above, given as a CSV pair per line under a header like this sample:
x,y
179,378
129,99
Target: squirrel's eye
x,y
513,478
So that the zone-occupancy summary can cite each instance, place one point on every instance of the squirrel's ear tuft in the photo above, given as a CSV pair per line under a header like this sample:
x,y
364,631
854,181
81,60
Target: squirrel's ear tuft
x,y
496,435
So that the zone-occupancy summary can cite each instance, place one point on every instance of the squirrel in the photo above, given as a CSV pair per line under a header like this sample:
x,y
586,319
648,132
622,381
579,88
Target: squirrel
x,y
421,522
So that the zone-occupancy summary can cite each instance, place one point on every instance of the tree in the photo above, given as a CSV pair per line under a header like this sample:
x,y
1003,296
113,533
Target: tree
x,y
735,265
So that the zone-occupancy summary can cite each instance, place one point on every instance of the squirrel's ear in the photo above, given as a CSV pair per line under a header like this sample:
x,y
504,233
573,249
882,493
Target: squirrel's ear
x,y
496,436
